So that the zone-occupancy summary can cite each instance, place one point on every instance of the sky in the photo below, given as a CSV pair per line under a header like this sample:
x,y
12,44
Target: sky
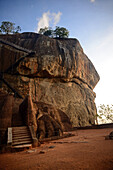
x,y
90,21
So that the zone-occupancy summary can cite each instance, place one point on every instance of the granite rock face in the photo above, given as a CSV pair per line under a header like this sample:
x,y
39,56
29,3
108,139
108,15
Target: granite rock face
x,y
48,127
51,121
59,74
6,107
27,111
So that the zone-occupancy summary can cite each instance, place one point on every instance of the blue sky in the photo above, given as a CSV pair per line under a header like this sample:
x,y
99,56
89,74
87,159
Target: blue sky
x,y
90,21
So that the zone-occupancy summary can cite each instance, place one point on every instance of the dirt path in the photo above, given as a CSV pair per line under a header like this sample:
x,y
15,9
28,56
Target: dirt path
x,y
87,150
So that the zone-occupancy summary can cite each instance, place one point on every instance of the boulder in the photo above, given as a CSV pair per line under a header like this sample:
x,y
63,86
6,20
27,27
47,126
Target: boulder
x,y
110,136
58,74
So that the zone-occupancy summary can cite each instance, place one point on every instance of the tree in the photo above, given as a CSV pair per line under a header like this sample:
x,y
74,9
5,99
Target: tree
x,y
106,113
43,30
17,29
47,31
9,27
61,32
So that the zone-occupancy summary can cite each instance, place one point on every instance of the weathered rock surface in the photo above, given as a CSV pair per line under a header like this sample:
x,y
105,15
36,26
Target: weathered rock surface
x,y
48,127
6,105
47,120
62,58
59,74
51,121
28,113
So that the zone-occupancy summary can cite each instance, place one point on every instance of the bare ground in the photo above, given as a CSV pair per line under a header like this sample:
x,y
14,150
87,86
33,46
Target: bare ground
x,y
87,150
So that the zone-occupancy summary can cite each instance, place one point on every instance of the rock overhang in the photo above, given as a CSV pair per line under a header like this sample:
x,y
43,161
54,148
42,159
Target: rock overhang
x,y
55,57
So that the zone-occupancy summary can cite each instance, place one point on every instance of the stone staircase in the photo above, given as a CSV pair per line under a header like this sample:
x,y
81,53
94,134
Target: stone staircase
x,y
21,137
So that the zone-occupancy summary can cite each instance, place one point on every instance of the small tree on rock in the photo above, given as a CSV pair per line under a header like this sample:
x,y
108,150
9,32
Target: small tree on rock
x,y
61,32
17,29
43,30
9,27
47,31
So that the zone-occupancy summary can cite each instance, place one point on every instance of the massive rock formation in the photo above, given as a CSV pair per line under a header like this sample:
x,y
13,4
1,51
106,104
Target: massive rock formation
x,y
57,74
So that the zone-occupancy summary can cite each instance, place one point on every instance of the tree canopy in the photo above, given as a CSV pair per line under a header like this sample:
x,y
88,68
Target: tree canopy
x,y
46,31
9,27
59,32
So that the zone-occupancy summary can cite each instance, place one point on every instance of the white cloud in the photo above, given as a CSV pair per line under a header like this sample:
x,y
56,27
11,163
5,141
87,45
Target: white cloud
x,y
47,19
43,21
56,18
92,1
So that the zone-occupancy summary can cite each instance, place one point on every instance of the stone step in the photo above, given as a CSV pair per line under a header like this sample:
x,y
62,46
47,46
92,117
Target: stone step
x,y
20,131
20,127
15,130
23,146
22,142
22,139
21,136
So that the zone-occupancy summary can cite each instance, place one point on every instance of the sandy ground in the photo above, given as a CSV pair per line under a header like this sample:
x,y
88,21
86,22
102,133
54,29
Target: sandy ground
x,y
88,149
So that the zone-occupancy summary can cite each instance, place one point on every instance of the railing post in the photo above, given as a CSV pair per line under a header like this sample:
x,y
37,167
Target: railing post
x,y
9,140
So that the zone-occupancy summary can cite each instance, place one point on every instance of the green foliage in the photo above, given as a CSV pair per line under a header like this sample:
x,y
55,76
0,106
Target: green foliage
x,y
59,32
49,33
17,29
9,27
105,113
43,30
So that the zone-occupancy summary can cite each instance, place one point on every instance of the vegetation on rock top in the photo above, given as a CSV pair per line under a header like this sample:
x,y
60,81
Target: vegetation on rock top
x,y
59,32
9,27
